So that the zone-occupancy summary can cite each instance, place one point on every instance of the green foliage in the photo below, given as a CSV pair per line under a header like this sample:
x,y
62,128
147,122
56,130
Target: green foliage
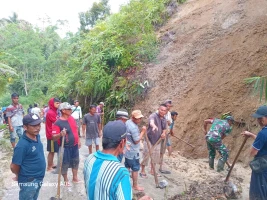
x,y
260,86
99,11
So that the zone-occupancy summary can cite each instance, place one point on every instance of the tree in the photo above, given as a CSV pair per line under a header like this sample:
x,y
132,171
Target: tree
x,y
99,11
260,85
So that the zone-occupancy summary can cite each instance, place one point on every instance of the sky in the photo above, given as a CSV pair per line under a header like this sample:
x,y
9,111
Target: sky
x,y
34,10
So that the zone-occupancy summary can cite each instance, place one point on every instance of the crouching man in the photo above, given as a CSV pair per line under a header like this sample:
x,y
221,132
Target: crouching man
x,y
28,162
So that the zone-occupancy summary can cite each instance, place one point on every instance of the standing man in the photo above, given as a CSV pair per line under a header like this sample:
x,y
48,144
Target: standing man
x,y
122,115
92,125
218,131
28,162
77,115
156,130
169,143
36,110
258,182
15,113
104,176
51,117
163,146
100,108
133,138
66,126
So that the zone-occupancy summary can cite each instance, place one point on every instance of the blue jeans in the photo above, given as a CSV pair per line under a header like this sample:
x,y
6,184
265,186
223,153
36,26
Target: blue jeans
x,y
30,190
18,130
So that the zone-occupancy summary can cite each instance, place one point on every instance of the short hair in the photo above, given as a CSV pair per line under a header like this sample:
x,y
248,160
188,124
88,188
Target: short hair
x,y
56,100
14,95
163,104
35,105
92,106
174,113
108,143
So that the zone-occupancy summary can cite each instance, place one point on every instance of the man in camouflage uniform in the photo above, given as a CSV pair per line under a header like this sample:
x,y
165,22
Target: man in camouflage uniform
x,y
218,131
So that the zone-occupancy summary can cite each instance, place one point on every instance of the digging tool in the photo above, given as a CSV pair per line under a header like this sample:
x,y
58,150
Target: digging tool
x,y
184,141
147,156
152,163
230,189
162,155
57,197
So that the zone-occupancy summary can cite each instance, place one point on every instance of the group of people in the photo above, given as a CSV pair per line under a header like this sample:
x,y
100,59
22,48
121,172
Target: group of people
x,y
105,177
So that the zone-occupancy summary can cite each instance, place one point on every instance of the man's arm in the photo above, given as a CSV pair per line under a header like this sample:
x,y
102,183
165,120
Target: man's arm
x,y
11,129
137,138
83,129
205,126
153,125
99,130
15,169
253,151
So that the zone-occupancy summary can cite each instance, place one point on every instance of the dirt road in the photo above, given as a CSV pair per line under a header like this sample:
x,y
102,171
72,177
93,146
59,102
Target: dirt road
x,y
185,173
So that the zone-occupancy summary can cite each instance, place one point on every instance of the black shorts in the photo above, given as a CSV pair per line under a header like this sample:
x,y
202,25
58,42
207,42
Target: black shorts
x,y
52,146
70,158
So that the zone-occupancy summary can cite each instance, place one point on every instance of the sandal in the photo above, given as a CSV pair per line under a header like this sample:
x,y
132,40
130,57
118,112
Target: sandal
x,y
158,175
143,175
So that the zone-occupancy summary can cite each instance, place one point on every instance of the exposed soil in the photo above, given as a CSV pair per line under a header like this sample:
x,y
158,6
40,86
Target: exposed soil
x,y
208,48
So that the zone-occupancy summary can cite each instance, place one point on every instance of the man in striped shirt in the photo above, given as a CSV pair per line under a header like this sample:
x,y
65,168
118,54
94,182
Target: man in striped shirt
x,y
105,177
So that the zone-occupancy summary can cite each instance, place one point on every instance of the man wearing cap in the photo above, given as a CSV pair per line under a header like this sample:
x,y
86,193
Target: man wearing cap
x,y
132,153
77,115
14,113
258,182
28,162
104,176
66,126
100,108
218,131
122,115
92,126
156,131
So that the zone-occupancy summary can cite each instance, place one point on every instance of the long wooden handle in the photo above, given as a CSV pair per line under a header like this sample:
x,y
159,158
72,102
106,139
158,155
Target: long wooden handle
x,y
60,167
152,163
152,149
184,141
233,164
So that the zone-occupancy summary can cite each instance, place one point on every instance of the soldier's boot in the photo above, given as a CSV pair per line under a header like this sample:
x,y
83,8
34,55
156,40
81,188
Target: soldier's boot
x,y
211,163
220,165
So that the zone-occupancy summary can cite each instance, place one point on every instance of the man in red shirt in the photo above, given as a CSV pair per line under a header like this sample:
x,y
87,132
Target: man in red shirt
x,y
66,126
51,117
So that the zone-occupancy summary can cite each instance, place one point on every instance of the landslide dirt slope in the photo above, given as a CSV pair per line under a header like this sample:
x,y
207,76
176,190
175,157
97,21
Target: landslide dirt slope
x,y
208,48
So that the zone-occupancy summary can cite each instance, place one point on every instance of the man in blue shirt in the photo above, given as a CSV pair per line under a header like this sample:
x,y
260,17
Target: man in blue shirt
x,y
104,176
28,162
132,152
258,182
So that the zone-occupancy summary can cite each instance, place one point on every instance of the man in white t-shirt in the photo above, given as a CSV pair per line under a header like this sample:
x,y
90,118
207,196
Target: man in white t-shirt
x,y
36,110
77,115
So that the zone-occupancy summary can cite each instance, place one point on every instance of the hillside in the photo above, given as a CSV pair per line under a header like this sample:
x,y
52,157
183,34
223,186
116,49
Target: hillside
x,y
208,48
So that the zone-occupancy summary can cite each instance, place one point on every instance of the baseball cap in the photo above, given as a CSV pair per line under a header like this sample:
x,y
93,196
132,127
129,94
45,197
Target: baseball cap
x,y
137,114
31,119
115,130
122,113
260,112
102,103
229,117
168,101
64,105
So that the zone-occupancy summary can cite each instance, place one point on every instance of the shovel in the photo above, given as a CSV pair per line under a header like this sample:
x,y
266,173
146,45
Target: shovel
x,y
57,197
230,189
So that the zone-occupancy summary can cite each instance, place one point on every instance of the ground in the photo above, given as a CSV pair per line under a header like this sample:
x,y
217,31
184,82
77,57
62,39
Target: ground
x,y
208,48
189,177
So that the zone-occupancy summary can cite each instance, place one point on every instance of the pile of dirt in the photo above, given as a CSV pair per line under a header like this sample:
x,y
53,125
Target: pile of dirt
x,y
208,48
